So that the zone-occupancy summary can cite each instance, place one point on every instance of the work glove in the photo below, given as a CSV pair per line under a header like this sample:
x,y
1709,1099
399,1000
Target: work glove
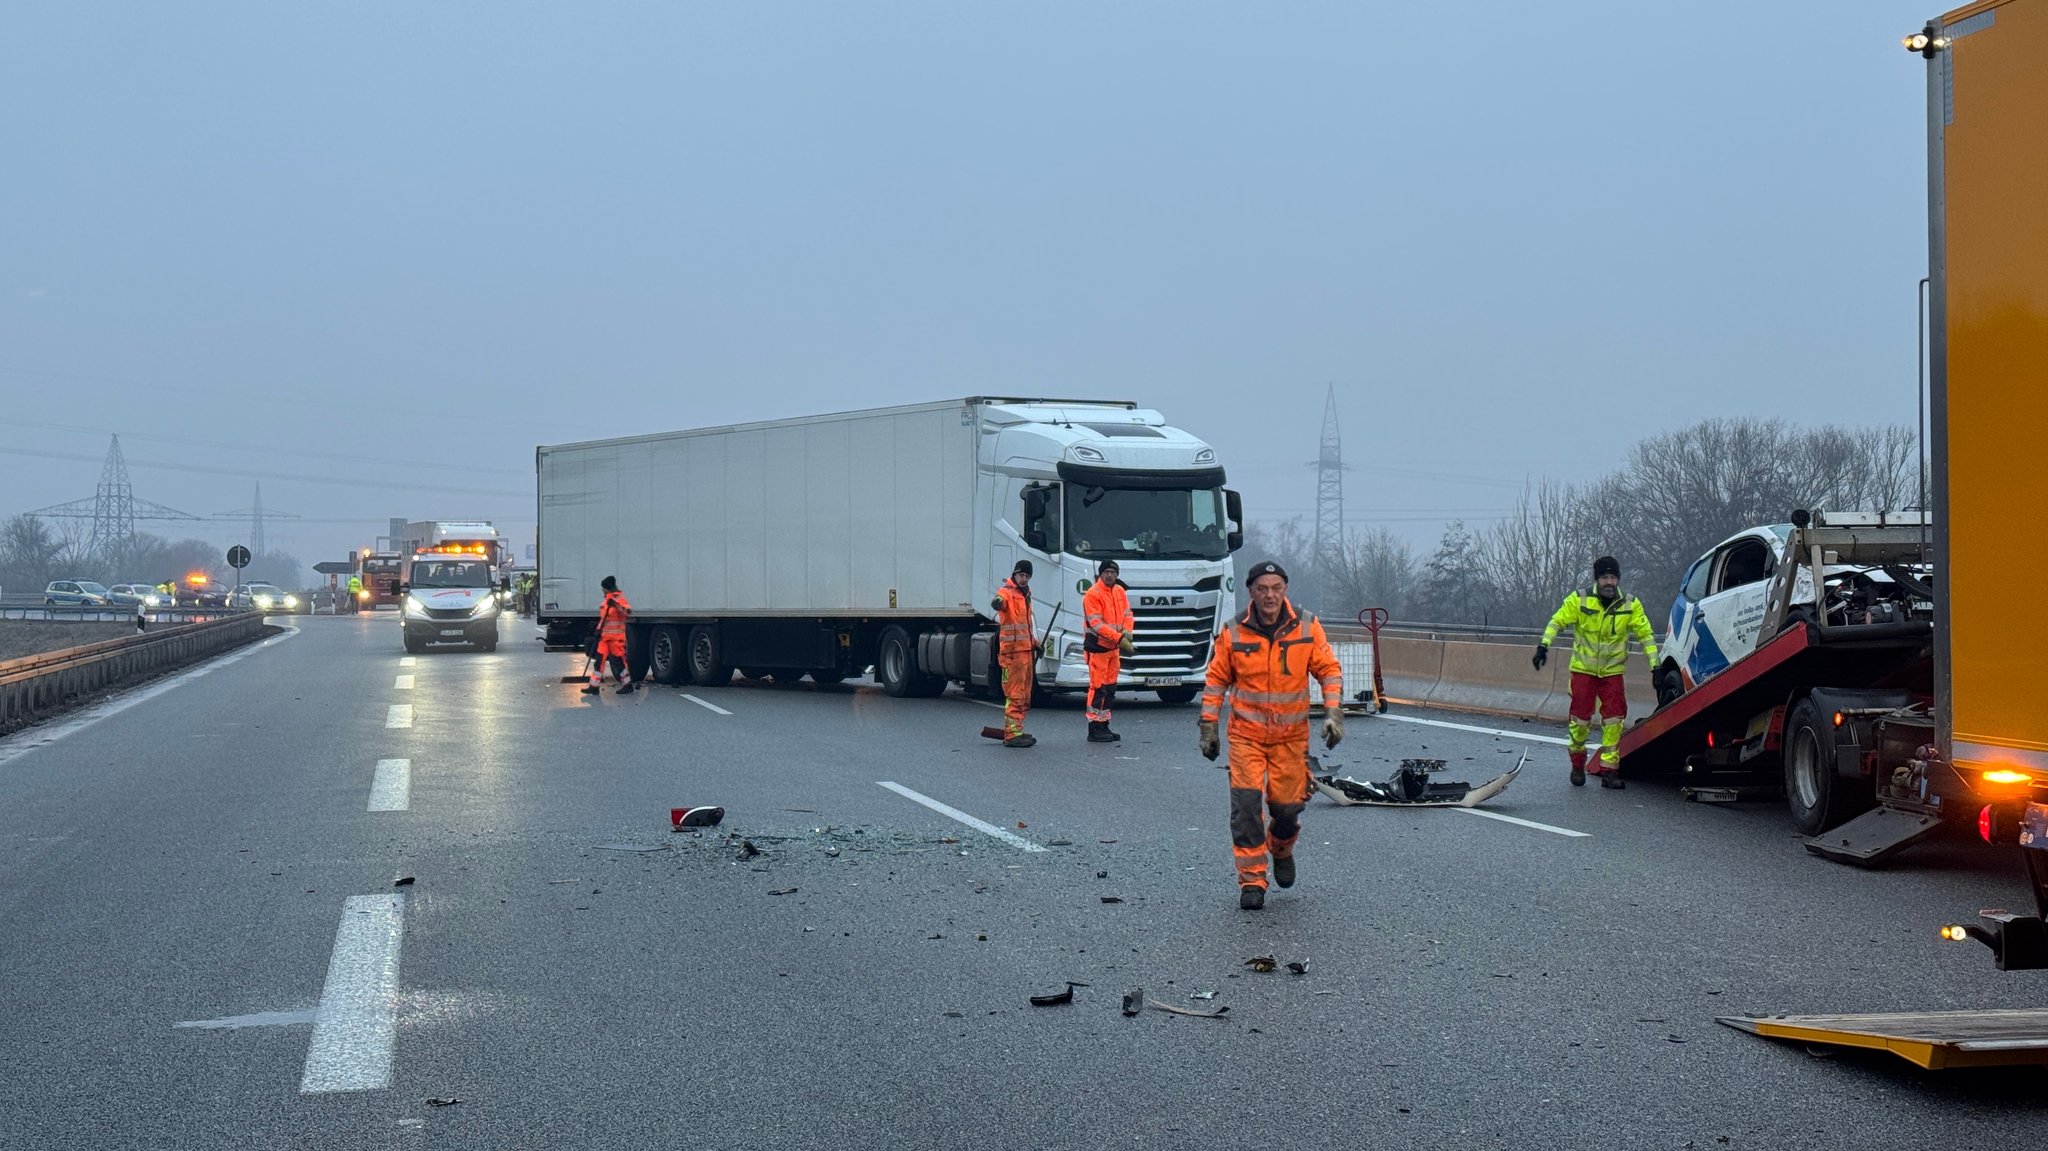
x,y
1333,727
1541,657
997,604
1125,646
1211,742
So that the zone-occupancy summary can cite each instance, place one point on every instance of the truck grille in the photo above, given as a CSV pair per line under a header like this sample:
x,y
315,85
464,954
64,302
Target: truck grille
x,y
1171,641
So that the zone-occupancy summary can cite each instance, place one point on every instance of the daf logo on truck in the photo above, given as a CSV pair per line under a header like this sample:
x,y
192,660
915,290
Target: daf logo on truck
x,y
1161,600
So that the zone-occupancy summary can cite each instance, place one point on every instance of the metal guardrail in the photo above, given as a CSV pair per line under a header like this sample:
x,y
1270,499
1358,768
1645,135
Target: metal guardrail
x,y
114,613
38,685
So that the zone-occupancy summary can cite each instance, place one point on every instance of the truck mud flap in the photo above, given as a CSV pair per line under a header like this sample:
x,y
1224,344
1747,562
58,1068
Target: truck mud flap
x,y
1935,1040
1874,836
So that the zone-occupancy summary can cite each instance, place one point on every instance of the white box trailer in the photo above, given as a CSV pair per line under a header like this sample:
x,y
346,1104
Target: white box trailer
x,y
830,544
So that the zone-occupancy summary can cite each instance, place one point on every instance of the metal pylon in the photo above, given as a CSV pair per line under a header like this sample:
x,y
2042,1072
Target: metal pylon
x,y
1329,539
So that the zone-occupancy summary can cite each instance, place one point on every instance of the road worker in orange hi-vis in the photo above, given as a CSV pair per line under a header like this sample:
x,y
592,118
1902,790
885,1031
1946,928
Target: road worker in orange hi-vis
x,y
1016,652
611,638
1263,662
1106,615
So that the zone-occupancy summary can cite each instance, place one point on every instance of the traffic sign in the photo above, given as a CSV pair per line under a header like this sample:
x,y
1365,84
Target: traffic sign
x,y
334,567
238,557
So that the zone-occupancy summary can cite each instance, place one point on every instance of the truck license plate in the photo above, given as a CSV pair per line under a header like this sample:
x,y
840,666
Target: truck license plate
x,y
450,631
2034,827
1162,681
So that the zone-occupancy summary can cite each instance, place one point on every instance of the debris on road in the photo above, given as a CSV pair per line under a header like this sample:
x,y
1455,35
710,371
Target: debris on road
x,y
1299,967
1411,786
992,733
1112,899
1059,843
443,1101
748,850
1057,997
682,817
1134,1001
402,881
784,891
1261,963
1203,996
1176,1009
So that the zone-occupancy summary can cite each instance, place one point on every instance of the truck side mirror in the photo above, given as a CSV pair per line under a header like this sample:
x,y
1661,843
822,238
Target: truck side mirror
x,y
404,586
1036,499
1233,507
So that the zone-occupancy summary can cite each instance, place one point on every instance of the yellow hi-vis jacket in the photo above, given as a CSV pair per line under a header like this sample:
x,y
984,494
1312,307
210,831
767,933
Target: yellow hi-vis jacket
x,y
1600,631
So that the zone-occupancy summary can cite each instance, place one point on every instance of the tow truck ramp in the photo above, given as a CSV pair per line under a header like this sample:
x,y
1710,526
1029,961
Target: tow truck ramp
x,y
1935,1040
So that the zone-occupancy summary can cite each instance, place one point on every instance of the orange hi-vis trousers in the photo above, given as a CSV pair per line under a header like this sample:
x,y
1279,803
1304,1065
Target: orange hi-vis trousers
x,y
1103,668
1018,670
1277,774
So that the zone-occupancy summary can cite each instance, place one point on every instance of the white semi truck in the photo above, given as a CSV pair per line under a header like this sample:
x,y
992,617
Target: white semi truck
x,y
829,545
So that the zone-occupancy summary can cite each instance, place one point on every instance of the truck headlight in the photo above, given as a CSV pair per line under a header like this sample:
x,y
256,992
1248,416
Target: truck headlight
x,y
414,609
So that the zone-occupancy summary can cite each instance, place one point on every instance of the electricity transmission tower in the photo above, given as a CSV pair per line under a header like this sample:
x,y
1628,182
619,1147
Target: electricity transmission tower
x,y
1329,539
113,508
258,519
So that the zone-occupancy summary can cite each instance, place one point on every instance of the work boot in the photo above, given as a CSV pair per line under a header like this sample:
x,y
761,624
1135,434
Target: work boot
x,y
1099,733
1283,871
628,688
1250,898
1113,737
1611,780
590,689
1578,775
1021,739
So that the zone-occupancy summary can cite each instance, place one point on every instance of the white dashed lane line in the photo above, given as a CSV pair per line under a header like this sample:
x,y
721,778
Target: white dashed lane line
x,y
357,1023
1499,731
400,715
705,704
408,660
1565,831
391,790
402,683
982,826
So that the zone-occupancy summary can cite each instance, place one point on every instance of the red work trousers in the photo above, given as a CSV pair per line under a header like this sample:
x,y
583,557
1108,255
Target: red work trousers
x,y
1275,776
1608,692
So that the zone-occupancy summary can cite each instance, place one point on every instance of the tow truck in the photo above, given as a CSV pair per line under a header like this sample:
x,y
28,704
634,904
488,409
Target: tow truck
x,y
1982,718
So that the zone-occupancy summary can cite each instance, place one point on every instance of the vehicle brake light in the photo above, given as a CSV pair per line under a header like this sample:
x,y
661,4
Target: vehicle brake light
x,y
1710,740
1838,719
1984,825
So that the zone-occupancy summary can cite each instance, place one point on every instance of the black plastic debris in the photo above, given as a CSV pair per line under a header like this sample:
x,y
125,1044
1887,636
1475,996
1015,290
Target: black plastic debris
x,y
1057,997
1261,963
402,881
1134,1001
1299,967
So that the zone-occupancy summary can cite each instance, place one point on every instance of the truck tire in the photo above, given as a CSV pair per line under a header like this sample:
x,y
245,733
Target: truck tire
x,y
1177,696
895,662
1669,684
665,654
413,646
706,664
1814,794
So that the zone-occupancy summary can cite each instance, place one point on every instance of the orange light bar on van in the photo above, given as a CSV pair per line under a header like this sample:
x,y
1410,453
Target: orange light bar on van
x,y
2005,775
196,579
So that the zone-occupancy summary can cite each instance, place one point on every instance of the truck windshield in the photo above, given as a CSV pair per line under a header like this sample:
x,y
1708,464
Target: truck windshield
x,y
450,573
1141,523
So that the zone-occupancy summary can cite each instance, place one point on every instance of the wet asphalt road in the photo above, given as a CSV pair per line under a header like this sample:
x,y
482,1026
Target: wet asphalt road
x,y
188,879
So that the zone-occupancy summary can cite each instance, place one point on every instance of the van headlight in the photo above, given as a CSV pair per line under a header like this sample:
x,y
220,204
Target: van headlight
x,y
414,609
484,607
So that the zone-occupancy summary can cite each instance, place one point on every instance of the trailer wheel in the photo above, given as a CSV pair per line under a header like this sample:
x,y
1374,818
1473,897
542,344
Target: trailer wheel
x,y
1813,792
1669,685
665,654
1185,693
706,667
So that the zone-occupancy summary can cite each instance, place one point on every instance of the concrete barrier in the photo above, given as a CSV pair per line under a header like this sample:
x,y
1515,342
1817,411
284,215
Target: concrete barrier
x,y
1493,678
40,685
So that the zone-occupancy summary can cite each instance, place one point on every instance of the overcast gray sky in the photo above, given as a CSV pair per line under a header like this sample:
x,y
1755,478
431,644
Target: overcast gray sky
x,y
372,254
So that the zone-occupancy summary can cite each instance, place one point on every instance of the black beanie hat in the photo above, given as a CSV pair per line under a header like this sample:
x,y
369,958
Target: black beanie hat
x,y
1108,566
1022,566
609,583
1606,565
1265,568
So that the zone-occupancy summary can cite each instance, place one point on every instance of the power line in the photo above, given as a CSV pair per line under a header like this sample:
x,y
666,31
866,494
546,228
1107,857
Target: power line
x,y
366,481
343,457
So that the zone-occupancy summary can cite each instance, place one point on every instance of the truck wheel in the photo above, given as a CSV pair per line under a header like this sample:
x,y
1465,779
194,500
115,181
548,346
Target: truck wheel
x,y
1178,695
665,654
895,663
413,646
1813,792
706,667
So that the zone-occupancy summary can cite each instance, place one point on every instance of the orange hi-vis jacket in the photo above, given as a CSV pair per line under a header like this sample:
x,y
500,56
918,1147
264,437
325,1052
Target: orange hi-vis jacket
x,y
1106,613
1014,635
1266,674
611,622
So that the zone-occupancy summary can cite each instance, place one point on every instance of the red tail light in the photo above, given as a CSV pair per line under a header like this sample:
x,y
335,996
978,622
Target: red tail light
x,y
1985,824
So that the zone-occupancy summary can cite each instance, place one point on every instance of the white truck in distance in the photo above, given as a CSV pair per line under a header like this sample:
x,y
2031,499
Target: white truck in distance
x,y
828,545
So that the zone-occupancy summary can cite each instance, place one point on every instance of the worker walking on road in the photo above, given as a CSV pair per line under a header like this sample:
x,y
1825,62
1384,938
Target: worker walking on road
x,y
1601,621
355,593
1263,661
1106,614
1016,652
611,638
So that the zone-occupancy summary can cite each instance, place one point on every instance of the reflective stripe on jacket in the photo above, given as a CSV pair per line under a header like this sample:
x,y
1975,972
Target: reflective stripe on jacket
x,y
1106,613
1014,634
1266,675
612,617
1600,631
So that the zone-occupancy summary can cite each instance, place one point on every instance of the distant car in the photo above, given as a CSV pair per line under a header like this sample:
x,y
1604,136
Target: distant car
x,y
135,593
263,597
75,593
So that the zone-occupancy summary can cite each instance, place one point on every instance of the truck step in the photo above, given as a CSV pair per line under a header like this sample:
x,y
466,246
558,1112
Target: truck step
x,y
1934,1040
1875,836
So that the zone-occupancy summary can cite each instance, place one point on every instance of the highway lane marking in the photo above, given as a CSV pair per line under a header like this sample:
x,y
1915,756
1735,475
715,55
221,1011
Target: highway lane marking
x,y
402,683
358,1021
408,660
45,736
1525,823
260,1019
400,715
1533,738
391,790
955,813
705,704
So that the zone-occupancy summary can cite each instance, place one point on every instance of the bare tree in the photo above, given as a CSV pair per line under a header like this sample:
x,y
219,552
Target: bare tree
x,y
1452,587
1378,570
30,554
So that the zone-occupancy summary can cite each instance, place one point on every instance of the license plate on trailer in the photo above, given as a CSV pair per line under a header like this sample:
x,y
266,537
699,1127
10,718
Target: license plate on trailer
x,y
448,631
1162,681
2034,827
